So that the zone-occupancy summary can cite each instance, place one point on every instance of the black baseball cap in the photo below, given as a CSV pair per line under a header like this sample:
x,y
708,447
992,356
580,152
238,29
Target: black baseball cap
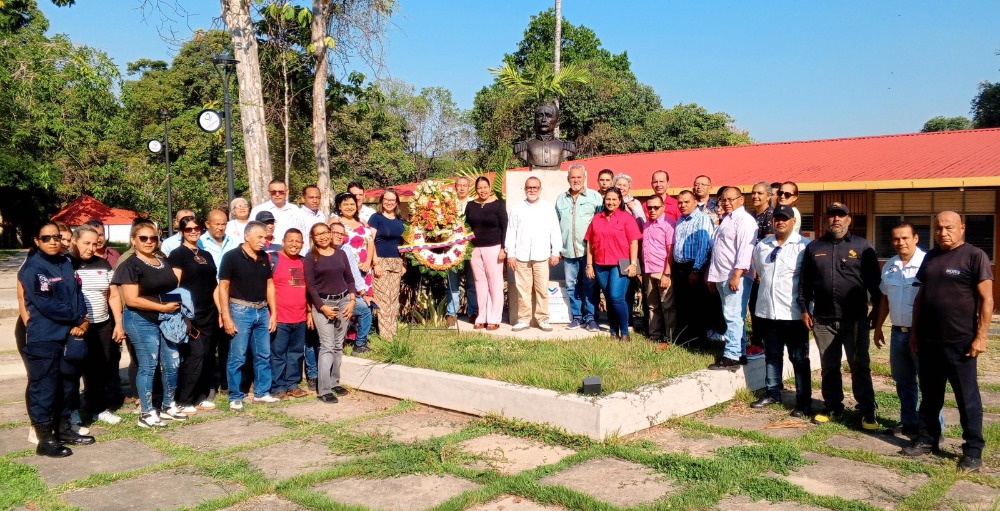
x,y
783,211
838,207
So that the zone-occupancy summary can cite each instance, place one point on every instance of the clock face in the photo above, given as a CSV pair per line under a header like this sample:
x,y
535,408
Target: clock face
x,y
209,120
154,146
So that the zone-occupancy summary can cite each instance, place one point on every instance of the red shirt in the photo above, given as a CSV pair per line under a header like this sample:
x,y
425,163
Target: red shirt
x,y
670,208
290,289
611,236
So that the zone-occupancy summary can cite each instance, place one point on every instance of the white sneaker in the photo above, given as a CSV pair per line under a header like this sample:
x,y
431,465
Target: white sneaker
x,y
545,326
189,410
236,405
108,417
150,420
80,430
173,414
206,405
32,437
520,326
266,398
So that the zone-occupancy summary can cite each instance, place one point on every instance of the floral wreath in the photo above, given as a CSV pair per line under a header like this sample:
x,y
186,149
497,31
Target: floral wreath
x,y
437,238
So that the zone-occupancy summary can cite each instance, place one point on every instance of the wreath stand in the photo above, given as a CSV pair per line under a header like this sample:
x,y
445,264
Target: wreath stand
x,y
424,328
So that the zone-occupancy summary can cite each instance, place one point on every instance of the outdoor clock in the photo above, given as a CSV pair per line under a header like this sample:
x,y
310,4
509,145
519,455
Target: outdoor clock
x,y
154,146
210,120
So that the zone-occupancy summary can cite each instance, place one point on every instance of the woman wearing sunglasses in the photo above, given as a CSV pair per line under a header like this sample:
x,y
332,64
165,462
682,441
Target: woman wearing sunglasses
x,y
196,271
104,352
613,236
146,280
56,312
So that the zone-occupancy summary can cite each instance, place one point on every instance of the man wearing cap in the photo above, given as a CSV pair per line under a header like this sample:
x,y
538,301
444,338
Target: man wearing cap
x,y
285,214
267,218
839,273
952,314
732,250
777,260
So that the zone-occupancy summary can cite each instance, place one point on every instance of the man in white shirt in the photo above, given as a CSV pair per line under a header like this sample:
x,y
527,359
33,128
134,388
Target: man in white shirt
x,y
174,241
310,213
777,259
533,244
364,212
899,288
286,214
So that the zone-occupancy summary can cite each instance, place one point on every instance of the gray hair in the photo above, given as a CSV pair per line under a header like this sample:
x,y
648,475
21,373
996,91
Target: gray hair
x,y
577,166
254,225
80,229
766,185
622,175
232,206
463,178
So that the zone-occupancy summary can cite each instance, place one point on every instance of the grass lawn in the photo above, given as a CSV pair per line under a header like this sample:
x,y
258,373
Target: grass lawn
x,y
557,365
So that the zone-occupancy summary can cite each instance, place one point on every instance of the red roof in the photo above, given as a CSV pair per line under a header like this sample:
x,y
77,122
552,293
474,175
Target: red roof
x,y
946,158
86,207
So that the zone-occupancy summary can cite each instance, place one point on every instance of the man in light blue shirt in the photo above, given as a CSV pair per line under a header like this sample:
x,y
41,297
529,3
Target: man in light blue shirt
x,y
692,245
171,243
214,240
576,208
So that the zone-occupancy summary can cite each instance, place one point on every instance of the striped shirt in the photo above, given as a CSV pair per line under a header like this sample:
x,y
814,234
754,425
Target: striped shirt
x,y
95,279
693,238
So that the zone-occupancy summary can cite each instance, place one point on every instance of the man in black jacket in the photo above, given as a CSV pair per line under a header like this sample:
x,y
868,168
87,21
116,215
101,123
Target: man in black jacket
x,y
839,273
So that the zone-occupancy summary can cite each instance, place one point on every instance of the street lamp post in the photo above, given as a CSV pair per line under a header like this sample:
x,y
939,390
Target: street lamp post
x,y
222,63
165,115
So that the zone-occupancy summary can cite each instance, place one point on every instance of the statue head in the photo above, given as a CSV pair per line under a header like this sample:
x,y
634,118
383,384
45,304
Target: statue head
x,y
546,118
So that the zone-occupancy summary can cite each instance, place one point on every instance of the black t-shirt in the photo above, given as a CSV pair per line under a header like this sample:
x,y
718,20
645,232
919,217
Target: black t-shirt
x,y
247,277
949,302
153,281
197,276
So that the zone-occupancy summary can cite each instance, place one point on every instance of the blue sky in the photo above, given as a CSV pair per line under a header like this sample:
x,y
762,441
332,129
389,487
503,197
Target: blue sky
x,y
785,70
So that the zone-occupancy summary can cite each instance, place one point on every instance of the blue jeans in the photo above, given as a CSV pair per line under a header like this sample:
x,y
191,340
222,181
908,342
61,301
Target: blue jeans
x,y
454,279
734,311
614,285
581,298
251,326
777,335
312,351
363,316
288,345
150,347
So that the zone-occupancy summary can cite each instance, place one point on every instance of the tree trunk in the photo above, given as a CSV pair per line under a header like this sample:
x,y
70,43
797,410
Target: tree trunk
x,y
321,17
236,15
287,120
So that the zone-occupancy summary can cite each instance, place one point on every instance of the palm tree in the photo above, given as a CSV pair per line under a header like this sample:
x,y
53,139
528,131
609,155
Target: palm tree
x,y
539,82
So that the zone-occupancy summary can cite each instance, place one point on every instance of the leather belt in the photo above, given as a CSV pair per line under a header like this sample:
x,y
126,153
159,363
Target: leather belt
x,y
904,329
254,305
334,298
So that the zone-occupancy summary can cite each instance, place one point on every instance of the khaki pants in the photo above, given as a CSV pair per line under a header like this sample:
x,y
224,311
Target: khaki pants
x,y
660,304
532,276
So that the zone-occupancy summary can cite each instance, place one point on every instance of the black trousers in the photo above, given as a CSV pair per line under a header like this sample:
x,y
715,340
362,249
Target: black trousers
x,y
692,301
103,386
215,360
50,392
942,362
192,376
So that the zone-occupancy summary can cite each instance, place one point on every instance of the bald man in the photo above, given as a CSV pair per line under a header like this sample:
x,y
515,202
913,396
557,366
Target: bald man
x,y
174,241
214,240
951,317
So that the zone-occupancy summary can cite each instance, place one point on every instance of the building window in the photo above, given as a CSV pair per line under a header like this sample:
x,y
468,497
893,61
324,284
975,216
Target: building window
x,y
979,232
977,207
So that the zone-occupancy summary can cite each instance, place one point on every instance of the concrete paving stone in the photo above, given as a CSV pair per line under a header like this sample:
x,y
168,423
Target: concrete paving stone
x,y
353,405
970,496
990,398
743,503
14,439
286,459
514,503
694,443
224,433
615,481
12,389
113,456
415,425
404,493
267,502
151,491
13,412
509,455
779,425
878,486
880,443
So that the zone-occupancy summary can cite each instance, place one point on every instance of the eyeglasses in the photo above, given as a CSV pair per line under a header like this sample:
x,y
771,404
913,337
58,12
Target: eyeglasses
x,y
277,192
390,201
192,229
241,206
318,234
786,195
526,188
47,238
268,222
654,208
725,200
146,239
774,255
336,233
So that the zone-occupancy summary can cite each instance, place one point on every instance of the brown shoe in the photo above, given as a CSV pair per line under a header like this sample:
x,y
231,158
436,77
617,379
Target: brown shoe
x,y
479,326
472,318
492,326
297,392
452,321
280,395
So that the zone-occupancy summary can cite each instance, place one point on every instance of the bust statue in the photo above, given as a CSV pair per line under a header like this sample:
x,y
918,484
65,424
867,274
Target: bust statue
x,y
545,151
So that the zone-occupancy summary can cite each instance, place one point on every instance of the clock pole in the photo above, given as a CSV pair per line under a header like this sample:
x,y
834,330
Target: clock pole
x,y
165,115
222,62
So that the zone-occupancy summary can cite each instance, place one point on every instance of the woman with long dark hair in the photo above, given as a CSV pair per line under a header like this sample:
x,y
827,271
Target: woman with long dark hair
x,y
146,280
388,266
57,315
195,270
613,236
487,216
330,287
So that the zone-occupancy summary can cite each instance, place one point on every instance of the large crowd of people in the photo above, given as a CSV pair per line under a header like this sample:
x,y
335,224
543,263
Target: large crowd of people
x,y
263,297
